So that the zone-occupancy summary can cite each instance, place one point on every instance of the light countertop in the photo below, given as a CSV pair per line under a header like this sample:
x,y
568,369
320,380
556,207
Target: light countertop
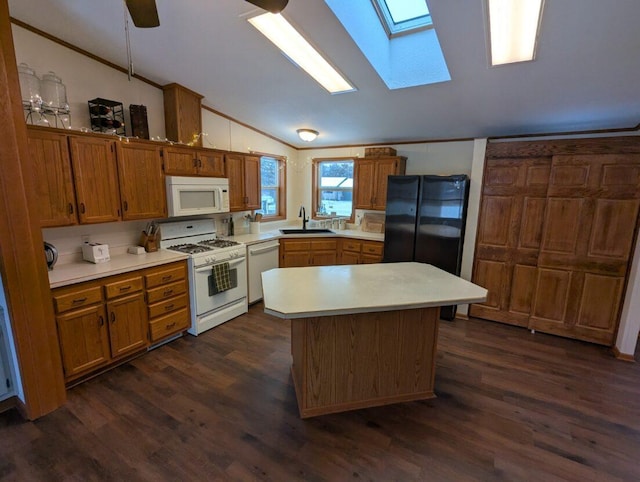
x,y
340,290
79,271
70,273
268,235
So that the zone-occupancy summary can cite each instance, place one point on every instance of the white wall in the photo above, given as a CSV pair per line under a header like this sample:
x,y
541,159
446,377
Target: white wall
x,y
222,133
86,79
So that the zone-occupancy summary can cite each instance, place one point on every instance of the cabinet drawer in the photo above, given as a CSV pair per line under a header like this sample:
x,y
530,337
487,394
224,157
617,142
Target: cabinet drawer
x,y
166,291
324,244
169,324
123,287
167,306
293,245
372,248
162,276
348,245
77,299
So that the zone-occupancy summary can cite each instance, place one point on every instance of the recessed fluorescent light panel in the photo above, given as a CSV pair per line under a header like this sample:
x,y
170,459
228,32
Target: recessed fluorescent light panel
x,y
513,29
276,28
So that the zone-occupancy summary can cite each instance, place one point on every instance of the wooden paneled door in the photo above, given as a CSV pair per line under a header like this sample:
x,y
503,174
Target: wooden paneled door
x,y
509,232
587,239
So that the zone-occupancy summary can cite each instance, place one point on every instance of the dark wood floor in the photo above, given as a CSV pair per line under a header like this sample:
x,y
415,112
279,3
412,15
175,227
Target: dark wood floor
x,y
510,406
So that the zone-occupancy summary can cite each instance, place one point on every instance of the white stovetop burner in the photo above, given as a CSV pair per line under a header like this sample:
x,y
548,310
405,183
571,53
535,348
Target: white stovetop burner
x,y
197,238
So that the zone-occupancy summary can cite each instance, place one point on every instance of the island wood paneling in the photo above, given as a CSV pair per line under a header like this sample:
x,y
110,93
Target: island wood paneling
x,y
361,360
556,233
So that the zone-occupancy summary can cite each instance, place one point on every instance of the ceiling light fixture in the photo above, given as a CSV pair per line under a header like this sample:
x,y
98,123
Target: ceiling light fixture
x,y
276,28
307,135
513,29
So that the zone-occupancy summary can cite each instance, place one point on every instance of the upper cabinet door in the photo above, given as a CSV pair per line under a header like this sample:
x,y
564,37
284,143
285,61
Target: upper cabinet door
x,y
364,183
51,168
234,168
180,161
384,169
142,188
96,179
210,163
252,188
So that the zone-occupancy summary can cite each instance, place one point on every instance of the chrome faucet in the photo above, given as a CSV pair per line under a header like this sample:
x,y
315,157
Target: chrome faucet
x,y
302,214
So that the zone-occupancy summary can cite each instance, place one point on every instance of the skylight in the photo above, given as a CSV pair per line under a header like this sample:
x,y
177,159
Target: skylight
x,y
400,60
402,16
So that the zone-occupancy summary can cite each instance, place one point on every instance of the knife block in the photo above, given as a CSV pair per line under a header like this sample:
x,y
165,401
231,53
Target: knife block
x,y
150,242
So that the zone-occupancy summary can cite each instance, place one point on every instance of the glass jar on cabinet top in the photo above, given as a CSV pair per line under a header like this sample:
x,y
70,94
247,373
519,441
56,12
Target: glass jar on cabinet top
x,y
29,87
54,93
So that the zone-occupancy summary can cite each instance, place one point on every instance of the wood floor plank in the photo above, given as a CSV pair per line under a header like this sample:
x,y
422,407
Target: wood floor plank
x,y
511,405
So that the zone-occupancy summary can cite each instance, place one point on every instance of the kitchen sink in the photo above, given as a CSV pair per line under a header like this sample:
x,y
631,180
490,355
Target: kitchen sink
x,y
305,231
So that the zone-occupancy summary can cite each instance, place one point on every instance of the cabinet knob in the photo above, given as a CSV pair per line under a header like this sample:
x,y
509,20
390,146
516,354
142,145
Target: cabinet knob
x,y
70,208
126,206
113,317
82,208
100,320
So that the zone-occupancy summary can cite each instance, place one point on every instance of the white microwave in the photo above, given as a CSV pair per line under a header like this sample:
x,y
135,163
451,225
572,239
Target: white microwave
x,y
188,196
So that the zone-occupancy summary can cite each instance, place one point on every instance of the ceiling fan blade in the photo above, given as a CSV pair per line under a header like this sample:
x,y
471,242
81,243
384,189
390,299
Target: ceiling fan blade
x,y
143,13
273,6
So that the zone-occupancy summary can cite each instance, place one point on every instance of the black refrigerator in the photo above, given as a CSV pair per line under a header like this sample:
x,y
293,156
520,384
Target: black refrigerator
x,y
425,221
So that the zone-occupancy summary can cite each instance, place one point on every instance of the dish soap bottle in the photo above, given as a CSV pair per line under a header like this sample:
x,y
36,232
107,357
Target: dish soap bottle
x,y
230,225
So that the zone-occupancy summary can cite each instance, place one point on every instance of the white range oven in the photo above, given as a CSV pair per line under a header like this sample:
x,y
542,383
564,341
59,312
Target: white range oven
x,y
217,271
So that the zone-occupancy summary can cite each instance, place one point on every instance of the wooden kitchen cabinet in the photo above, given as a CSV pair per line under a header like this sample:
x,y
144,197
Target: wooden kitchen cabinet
x,y
142,186
370,180
100,323
167,300
185,161
51,166
244,182
84,340
182,114
127,324
308,252
96,179
355,251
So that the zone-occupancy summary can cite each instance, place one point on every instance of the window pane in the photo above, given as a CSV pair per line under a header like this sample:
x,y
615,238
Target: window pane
x,y
269,202
403,10
270,180
335,188
269,171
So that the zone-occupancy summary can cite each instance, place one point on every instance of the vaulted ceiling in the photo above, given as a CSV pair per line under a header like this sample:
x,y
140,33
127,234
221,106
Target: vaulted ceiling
x,y
586,75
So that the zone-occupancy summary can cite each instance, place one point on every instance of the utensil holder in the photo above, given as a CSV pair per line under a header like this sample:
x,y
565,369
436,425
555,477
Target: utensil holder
x,y
254,228
150,242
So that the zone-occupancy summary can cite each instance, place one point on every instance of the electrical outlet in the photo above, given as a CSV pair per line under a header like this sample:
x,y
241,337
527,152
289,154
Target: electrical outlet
x,y
85,238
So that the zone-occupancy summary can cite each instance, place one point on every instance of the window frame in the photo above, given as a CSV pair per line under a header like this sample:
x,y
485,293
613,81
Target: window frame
x,y
281,188
405,27
315,188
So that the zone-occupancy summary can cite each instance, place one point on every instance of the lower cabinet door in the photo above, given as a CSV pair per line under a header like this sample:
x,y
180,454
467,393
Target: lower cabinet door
x,y
128,327
324,258
84,340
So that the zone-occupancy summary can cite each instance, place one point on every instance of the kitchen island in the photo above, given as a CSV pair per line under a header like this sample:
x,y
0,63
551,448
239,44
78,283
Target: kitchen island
x,y
363,335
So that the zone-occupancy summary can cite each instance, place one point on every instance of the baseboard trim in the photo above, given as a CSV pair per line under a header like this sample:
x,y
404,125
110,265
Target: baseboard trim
x,y
622,356
462,316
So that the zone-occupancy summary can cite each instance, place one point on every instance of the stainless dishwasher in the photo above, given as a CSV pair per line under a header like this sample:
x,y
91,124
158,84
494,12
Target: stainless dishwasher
x,y
261,257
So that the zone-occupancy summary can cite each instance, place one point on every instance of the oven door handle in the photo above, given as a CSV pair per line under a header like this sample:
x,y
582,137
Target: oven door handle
x,y
208,267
